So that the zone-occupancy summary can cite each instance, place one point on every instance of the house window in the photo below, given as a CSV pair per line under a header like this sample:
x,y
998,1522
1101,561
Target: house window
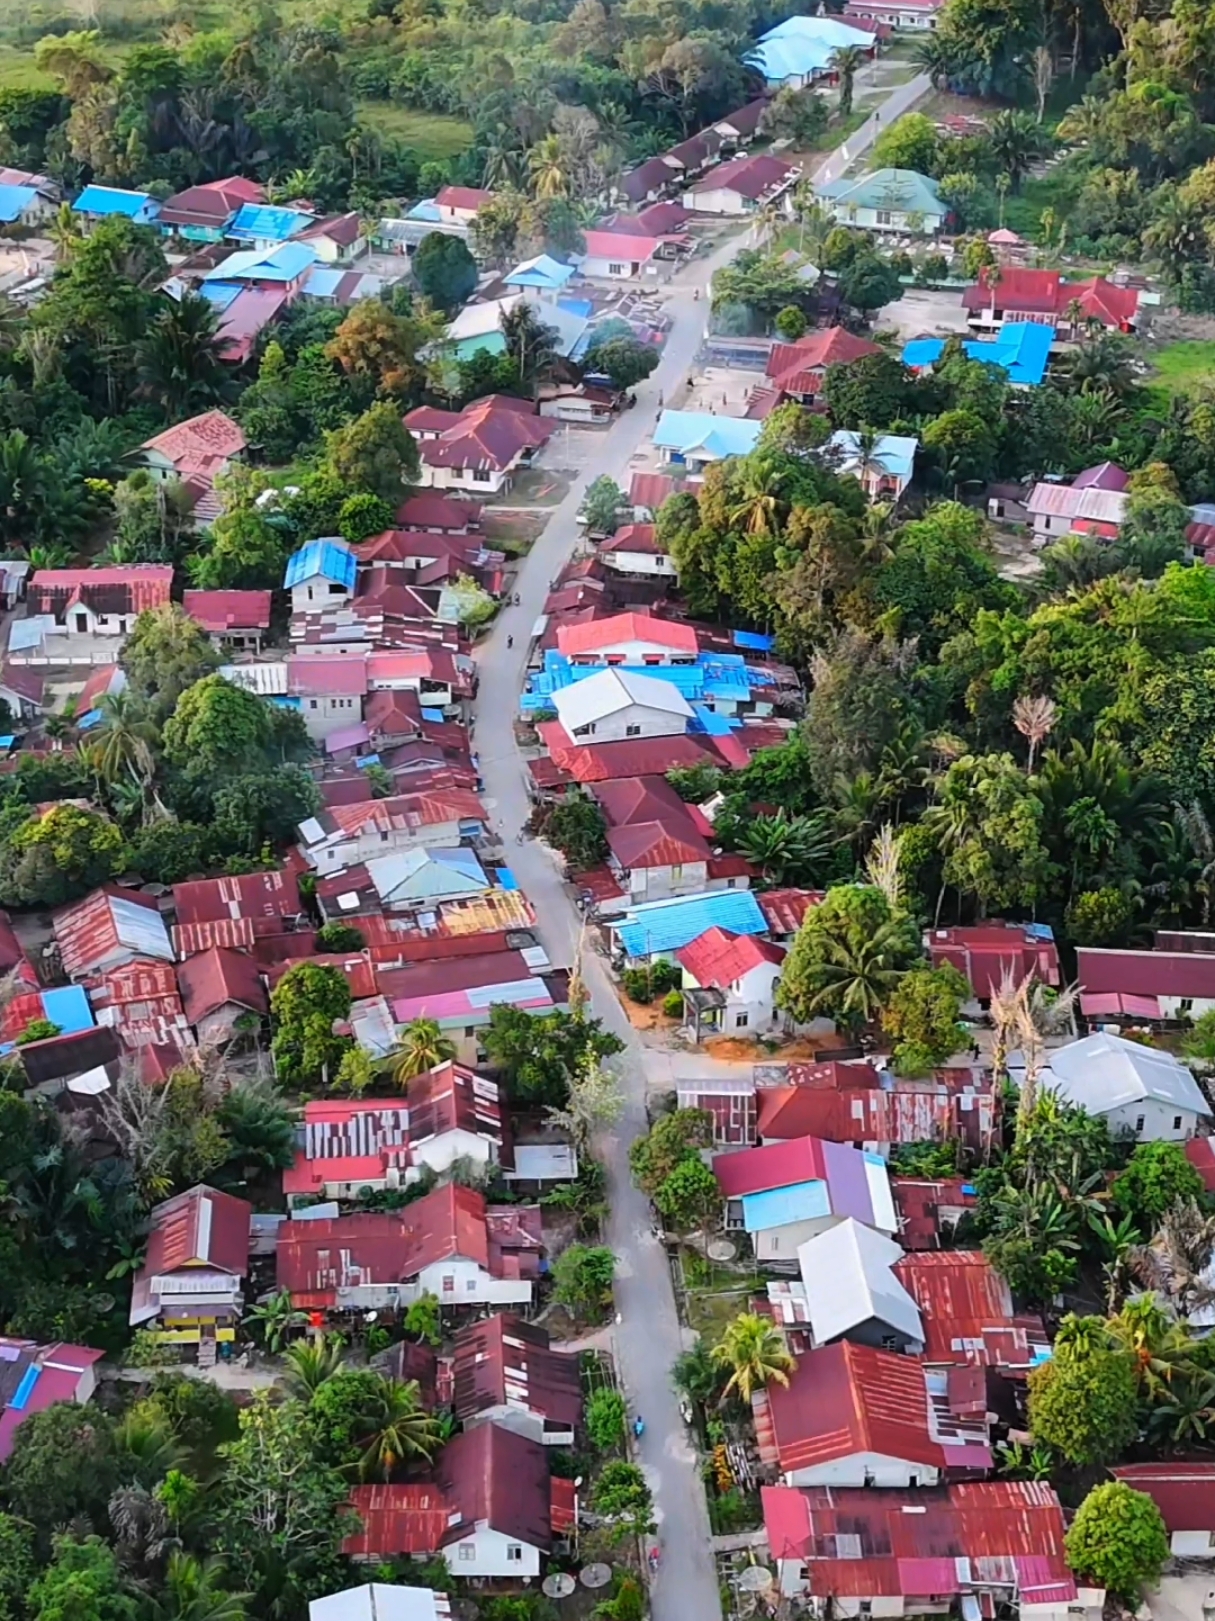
x,y
471,1286
883,216
632,731
383,838
312,703
615,270
470,1030
1176,1122
740,1021
336,590
449,1284
481,475
676,872
1139,1125
514,1553
468,1551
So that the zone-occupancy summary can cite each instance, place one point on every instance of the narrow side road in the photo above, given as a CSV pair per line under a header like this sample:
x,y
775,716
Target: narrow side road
x,y
649,1337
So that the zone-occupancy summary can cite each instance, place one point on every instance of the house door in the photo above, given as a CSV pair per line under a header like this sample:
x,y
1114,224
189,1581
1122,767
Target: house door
x,y
82,624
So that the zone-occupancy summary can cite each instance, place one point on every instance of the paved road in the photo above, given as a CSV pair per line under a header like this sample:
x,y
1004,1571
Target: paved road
x,y
649,1338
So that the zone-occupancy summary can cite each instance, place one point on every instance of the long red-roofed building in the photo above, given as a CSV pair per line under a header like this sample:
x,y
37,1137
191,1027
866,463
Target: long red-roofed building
x,y
797,369
984,952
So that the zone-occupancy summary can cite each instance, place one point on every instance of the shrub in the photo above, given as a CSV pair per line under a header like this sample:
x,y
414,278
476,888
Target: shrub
x,y
672,1004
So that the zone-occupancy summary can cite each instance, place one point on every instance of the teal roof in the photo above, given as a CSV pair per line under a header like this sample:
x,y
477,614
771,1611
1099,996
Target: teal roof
x,y
893,451
543,271
260,222
777,1207
1021,349
903,191
485,343
331,559
106,201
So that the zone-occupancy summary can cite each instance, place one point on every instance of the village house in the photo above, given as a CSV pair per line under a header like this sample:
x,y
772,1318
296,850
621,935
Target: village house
x,y
849,1288
507,1373
797,370
695,439
96,203
236,621
34,1377
852,1102
459,205
490,1510
884,472
196,452
616,704
23,691
377,1601
541,279
190,1282
658,929
886,200
785,1193
480,448
986,954
109,929
801,50
141,1001
1184,1492
337,239
1154,985
343,835
729,984
1010,293
628,638
1133,1088
203,213
966,1309
70,611
744,185
449,1244
919,16
848,1553
222,993
320,573
635,550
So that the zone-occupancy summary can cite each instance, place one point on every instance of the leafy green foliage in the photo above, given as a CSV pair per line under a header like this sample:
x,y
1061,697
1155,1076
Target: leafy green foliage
x,y
604,1418
1156,1177
848,957
1118,1540
924,1018
582,1281
1083,1407
305,1005
539,1054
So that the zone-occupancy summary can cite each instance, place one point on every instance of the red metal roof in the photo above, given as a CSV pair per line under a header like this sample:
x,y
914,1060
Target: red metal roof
x,y
779,1165
796,368
931,1542
1014,289
924,1207
491,433
618,246
505,1360
751,177
664,843
847,1103
429,510
213,979
263,899
983,953
650,490
623,628
495,1477
128,590
634,537
106,927
201,1227
1146,973
141,1001
967,1310
717,958
785,909
635,757
220,611
463,197
204,444
1200,1151
1183,1491
409,1518
844,1399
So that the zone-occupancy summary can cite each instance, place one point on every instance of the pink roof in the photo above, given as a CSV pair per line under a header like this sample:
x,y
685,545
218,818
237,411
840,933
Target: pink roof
x,y
623,628
254,898
985,951
246,317
615,245
220,611
779,1165
718,958
1003,238
327,675
100,682
751,177
463,197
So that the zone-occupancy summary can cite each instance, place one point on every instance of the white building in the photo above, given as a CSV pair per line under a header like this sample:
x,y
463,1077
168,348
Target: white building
x,y
848,1290
616,704
1136,1089
634,549
730,982
320,574
629,638
379,1602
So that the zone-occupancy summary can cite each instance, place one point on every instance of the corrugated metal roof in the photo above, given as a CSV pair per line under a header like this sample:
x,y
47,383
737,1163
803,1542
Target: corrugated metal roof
x,y
106,926
667,925
967,1311
846,1399
1183,1491
330,559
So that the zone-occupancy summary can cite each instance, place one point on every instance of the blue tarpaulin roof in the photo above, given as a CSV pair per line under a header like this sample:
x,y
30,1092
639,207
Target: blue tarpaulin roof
x,y
723,677
23,1391
260,222
777,1207
220,293
68,1006
331,559
667,925
753,642
14,200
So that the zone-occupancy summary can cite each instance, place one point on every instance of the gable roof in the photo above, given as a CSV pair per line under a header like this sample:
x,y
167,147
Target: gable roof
x,y
221,611
332,560
846,1399
262,222
116,590
611,690
984,952
107,926
491,433
638,799
633,757
490,1474
850,1277
791,365
202,443
1012,287
706,436
631,247
664,926
718,958
503,1360
543,271
1103,1072
634,537
847,1181
751,177
215,978
1105,476
201,1227
652,175
659,843
463,197
1182,1489
966,1308
623,628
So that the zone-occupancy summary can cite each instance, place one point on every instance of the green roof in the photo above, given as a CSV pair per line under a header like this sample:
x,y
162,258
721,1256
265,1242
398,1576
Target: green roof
x,y
901,191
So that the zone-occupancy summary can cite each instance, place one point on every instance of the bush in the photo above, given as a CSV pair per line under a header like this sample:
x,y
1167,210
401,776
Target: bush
x,y
672,1004
638,986
790,323
665,976
1118,1540
605,1413
333,937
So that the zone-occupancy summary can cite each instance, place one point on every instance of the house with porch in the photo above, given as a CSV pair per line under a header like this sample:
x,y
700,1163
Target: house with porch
x,y
729,984
481,448
189,1288
886,200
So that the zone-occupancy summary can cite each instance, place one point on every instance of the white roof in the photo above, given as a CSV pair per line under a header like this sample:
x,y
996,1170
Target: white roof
x,y
608,691
1104,1072
477,320
847,1276
267,680
376,1602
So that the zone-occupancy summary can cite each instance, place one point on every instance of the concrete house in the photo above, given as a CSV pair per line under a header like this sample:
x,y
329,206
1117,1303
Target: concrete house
x,y
320,574
745,185
449,1244
916,16
849,1289
459,205
635,550
617,704
886,200
1154,985
479,449
656,844
1135,1089
729,983
70,609
628,638
490,1509
343,835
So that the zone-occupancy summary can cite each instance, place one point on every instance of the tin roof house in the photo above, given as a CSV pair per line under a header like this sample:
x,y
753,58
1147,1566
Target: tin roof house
x,y
190,1283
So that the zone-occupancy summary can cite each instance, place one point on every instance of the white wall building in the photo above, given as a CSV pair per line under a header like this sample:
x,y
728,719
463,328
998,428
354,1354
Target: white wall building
x,y
617,704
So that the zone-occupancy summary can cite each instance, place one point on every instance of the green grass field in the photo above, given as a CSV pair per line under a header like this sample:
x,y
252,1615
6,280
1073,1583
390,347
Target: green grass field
x,y
433,136
1182,367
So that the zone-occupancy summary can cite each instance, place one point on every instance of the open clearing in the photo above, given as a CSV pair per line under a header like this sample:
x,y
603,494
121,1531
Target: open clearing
x,y
435,137
1182,367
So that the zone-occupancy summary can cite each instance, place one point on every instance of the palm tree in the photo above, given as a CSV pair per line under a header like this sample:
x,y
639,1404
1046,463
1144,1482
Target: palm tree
x,y
546,168
1038,1014
179,357
65,232
1016,141
1158,1344
1083,122
1174,1264
761,507
122,741
193,1591
858,973
1034,718
1176,233
422,1046
846,62
310,1364
754,1350
787,848
274,1318
401,1429
148,1443
868,463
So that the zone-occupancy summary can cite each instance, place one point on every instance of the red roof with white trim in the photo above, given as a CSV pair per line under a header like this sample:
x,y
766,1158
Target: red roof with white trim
x,y
720,959
624,628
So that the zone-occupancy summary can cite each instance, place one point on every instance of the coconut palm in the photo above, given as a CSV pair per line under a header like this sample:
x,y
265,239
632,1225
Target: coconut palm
x,y
65,231
546,168
787,849
1159,1346
400,1428
178,358
846,62
273,1318
761,507
309,1364
1016,141
1175,1262
146,1441
1103,365
422,1046
857,976
193,1591
121,745
1034,718
1082,122
754,1350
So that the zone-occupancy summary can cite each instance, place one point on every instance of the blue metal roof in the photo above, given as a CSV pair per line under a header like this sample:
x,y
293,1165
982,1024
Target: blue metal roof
x,y
260,222
25,1389
1021,348
427,210
14,200
723,677
543,271
667,925
323,281
709,722
220,293
753,642
331,559
109,200
777,1207
687,431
